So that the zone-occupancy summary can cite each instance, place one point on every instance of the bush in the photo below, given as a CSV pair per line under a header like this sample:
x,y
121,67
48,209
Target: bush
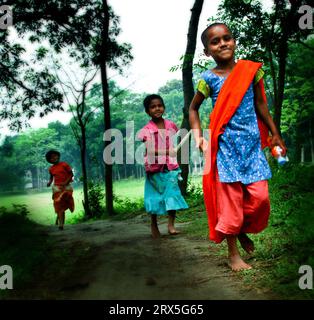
x,y
96,196
22,244
194,193
121,205
126,205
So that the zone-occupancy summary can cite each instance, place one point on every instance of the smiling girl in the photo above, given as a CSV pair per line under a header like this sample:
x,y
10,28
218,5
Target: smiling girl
x,y
236,170
162,194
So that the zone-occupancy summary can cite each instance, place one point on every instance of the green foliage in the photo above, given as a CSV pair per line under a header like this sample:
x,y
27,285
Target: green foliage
x,y
124,206
298,107
25,91
26,152
96,196
127,207
172,94
29,91
194,193
22,244
11,173
288,241
257,32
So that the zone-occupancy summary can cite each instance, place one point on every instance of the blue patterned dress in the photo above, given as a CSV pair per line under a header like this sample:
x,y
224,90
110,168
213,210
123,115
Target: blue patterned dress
x,y
240,156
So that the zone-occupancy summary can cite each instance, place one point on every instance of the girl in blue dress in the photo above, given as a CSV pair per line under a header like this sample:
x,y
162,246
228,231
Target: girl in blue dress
x,y
236,170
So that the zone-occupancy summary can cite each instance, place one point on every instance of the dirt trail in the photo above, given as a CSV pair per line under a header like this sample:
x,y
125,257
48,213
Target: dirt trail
x,y
129,264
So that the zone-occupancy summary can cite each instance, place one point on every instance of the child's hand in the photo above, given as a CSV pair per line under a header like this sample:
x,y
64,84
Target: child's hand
x,y
277,141
202,144
172,153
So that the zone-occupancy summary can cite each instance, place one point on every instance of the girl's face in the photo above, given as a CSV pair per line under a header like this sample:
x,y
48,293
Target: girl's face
x,y
220,44
54,158
156,109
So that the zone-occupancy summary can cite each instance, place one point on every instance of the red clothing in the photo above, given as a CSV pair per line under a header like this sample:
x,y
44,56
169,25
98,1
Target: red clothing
x,y
229,99
62,198
161,139
62,195
241,208
61,172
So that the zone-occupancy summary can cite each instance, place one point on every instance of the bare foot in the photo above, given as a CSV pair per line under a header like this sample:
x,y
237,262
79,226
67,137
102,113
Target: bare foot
x,y
237,264
246,243
172,230
155,231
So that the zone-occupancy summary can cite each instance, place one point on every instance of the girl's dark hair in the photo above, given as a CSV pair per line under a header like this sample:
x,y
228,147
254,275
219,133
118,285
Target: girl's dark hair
x,y
204,37
149,99
50,153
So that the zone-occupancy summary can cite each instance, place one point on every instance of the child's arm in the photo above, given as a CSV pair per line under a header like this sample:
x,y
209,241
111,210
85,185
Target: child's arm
x,y
195,122
262,109
50,180
67,181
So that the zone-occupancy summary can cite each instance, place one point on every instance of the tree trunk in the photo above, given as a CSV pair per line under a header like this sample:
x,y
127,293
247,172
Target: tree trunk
x,y
187,81
285,22
84,172
302,154
311,141
118,171
283,53
107,119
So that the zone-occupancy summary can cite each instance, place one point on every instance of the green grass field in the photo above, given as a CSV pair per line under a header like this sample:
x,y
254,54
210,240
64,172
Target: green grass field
x,y
40,204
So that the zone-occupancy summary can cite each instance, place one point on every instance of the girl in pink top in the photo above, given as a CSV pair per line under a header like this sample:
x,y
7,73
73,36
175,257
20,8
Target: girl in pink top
x,y
162,194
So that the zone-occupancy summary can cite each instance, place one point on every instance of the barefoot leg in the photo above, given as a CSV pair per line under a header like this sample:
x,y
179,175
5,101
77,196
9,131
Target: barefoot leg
x,y
246,243
61,217
235,261
154,227
171,218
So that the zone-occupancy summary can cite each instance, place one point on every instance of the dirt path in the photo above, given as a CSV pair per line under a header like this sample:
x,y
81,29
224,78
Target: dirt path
x,y
128,264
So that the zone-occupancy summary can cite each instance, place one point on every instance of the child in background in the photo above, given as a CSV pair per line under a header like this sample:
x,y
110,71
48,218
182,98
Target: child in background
x,y
162,194
61,174
236,170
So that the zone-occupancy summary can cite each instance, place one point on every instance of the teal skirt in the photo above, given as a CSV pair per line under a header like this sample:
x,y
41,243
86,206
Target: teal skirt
x,y
162,192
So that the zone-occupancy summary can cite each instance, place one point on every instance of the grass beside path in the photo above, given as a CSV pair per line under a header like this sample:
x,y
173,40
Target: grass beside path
x,y
40,204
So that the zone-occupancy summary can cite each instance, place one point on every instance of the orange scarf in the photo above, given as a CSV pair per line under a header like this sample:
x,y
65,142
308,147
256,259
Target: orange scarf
x,y
229,99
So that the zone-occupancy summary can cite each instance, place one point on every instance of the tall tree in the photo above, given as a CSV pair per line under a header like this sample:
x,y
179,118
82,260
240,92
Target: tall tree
x,y
107,118
77,90
85,25
187,76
